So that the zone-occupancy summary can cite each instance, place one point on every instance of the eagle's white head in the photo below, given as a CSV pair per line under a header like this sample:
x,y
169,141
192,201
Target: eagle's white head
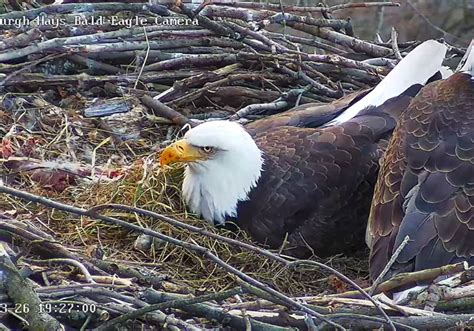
x,y
223,164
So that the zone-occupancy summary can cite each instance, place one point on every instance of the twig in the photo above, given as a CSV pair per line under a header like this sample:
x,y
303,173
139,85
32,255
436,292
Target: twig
x,y
30,66
363,5
348,280
75,263
408,278
259,107
169,304
45,244
42,79
389,264
268,6
160,109
145,59
94,64
70,44
318,22
443,322
84,7
395,44
23,295
209,312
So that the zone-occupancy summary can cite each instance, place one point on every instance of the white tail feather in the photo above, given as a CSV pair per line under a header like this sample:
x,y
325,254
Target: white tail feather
x,y
467,63
446,72
415,68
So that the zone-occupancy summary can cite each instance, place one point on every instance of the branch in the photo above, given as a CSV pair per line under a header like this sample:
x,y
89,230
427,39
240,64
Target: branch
x,y
363,5
179,303
160,109
193,247
27,303
389,264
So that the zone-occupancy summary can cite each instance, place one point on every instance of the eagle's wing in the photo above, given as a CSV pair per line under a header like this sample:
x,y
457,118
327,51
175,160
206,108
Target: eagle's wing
x,y
425,187
317,184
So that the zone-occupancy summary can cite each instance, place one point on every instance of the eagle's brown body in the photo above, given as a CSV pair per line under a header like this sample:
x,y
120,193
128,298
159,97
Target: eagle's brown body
x,y
425,187
317,183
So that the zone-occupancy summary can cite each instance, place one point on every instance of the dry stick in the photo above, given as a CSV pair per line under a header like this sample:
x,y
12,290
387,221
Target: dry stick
x,y
278,104
389,264
210,312
300,74
444,322
43,242
296,57
306,41
352,42
21,39
148,297
181,92
74,287
193,247
192,59
169,304
75,263
160,109
268,6
259,107
85,7
144,60
43,79
29,66
318,22
240,244
219,84
348,280
24,296
363,5
88,43
339,38
395,48
94,64
257,35
209,24
422,275
236,13
407,278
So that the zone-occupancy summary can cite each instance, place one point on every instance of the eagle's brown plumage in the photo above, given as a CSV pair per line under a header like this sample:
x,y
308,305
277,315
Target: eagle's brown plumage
x,y
425,187
318,182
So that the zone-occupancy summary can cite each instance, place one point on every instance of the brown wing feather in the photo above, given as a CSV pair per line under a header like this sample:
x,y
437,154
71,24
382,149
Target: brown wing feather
x,y
317,184
425,187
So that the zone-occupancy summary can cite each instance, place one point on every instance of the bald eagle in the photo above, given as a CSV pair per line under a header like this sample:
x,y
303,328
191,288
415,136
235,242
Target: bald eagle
x,y
310,187
425,188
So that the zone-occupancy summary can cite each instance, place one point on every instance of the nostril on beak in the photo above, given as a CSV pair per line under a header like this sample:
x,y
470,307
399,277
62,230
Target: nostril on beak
x,y
180,148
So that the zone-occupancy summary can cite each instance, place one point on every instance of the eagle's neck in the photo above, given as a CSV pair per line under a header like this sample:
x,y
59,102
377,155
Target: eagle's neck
x,y
212,189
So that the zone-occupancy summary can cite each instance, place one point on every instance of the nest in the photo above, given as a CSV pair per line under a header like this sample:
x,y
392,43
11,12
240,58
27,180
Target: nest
x,y
85,110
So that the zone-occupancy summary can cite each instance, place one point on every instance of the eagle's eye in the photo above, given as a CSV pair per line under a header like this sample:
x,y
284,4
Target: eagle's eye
x,y
206,149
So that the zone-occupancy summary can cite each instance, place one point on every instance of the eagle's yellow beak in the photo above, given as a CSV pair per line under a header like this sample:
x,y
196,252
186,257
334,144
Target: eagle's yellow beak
x,y
179,151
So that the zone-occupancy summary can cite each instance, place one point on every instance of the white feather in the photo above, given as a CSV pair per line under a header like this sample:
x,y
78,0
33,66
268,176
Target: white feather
x,y
415,68
446,72
467,63
399,297
212,188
